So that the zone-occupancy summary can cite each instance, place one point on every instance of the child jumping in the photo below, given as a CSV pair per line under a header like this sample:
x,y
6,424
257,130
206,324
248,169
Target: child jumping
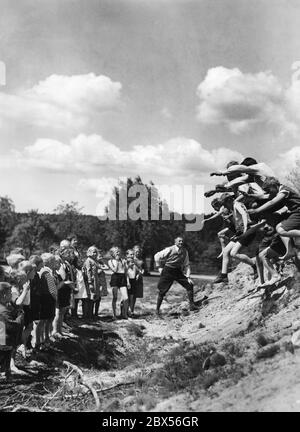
x,y
282,196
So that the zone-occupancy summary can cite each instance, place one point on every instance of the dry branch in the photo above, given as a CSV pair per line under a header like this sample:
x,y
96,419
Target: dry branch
x,y
83,382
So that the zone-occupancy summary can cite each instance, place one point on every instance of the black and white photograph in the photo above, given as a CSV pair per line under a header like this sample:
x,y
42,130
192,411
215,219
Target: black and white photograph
x,y
149,209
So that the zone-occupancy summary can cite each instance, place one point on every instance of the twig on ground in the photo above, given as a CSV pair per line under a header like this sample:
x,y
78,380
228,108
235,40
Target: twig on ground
x,y
83,382
115,385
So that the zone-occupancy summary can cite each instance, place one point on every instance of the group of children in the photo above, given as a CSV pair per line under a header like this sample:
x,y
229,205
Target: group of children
x,y
37,293
254,201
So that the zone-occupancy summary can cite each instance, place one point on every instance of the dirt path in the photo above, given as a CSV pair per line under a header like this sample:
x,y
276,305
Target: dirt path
x,y
234,354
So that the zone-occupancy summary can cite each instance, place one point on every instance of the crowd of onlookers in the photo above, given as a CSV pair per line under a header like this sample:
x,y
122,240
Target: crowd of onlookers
x,y
39,291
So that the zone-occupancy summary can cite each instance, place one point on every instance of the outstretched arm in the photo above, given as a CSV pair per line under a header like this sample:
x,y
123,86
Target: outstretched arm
x,y
279,197
237,169
213,216
238,181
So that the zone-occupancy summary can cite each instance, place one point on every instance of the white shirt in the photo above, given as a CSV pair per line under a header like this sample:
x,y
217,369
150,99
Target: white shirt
x,y
163,254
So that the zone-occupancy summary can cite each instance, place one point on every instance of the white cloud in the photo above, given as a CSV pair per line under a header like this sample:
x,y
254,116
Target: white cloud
x,y
293,92
181,157
242,100
166,113
285,162
62,101
102,188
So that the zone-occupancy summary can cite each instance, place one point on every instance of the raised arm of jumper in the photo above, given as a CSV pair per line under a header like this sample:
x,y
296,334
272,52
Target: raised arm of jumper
x,y
238,181
239,169
214,216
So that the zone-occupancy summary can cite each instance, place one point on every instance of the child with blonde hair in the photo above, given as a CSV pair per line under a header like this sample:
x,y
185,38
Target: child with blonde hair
x,y
138,291
93,283
35,301
13,261
49,294
101,273
118,281
64,288
21,296
68,274
11,320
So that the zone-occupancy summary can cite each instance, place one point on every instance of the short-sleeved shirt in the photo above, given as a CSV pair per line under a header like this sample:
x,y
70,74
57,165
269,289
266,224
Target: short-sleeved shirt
x,y
292,198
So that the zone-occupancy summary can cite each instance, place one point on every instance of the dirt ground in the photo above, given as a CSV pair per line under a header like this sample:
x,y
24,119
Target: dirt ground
x,y
234,354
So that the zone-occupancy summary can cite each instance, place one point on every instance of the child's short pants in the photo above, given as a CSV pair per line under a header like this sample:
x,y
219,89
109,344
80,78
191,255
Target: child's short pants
x,y
292,222
118,280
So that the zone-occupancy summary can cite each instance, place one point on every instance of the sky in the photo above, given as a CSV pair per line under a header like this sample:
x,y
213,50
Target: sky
x,y
170,90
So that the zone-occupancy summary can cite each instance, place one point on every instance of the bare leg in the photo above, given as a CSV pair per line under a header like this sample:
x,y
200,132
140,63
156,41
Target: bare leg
x,y
25,335
221,236
132,303
56,322
61,319
48,328
124,301
286,237
241,257
290,251
226,257
37,333
97,305
114,301
260,268
158,303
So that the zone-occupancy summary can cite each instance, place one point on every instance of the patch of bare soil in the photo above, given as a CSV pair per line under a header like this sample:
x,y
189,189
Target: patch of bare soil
x,y
234,354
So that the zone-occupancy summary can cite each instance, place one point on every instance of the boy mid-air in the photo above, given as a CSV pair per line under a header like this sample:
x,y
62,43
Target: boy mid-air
x,y
282,196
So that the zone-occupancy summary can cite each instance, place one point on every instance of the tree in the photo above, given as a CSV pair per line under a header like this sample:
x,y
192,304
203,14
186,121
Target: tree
x,y
68,216
33,233
151,234
7,218
294,176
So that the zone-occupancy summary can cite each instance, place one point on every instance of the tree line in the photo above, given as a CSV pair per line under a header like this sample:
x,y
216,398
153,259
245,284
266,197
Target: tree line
x,y
36,232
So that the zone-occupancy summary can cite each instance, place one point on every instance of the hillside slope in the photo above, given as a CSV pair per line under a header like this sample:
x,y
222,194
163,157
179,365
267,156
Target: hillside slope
x,y
234,354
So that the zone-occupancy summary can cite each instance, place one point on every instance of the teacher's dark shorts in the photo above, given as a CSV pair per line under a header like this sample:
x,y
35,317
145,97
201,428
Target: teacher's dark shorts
x,y
170,275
